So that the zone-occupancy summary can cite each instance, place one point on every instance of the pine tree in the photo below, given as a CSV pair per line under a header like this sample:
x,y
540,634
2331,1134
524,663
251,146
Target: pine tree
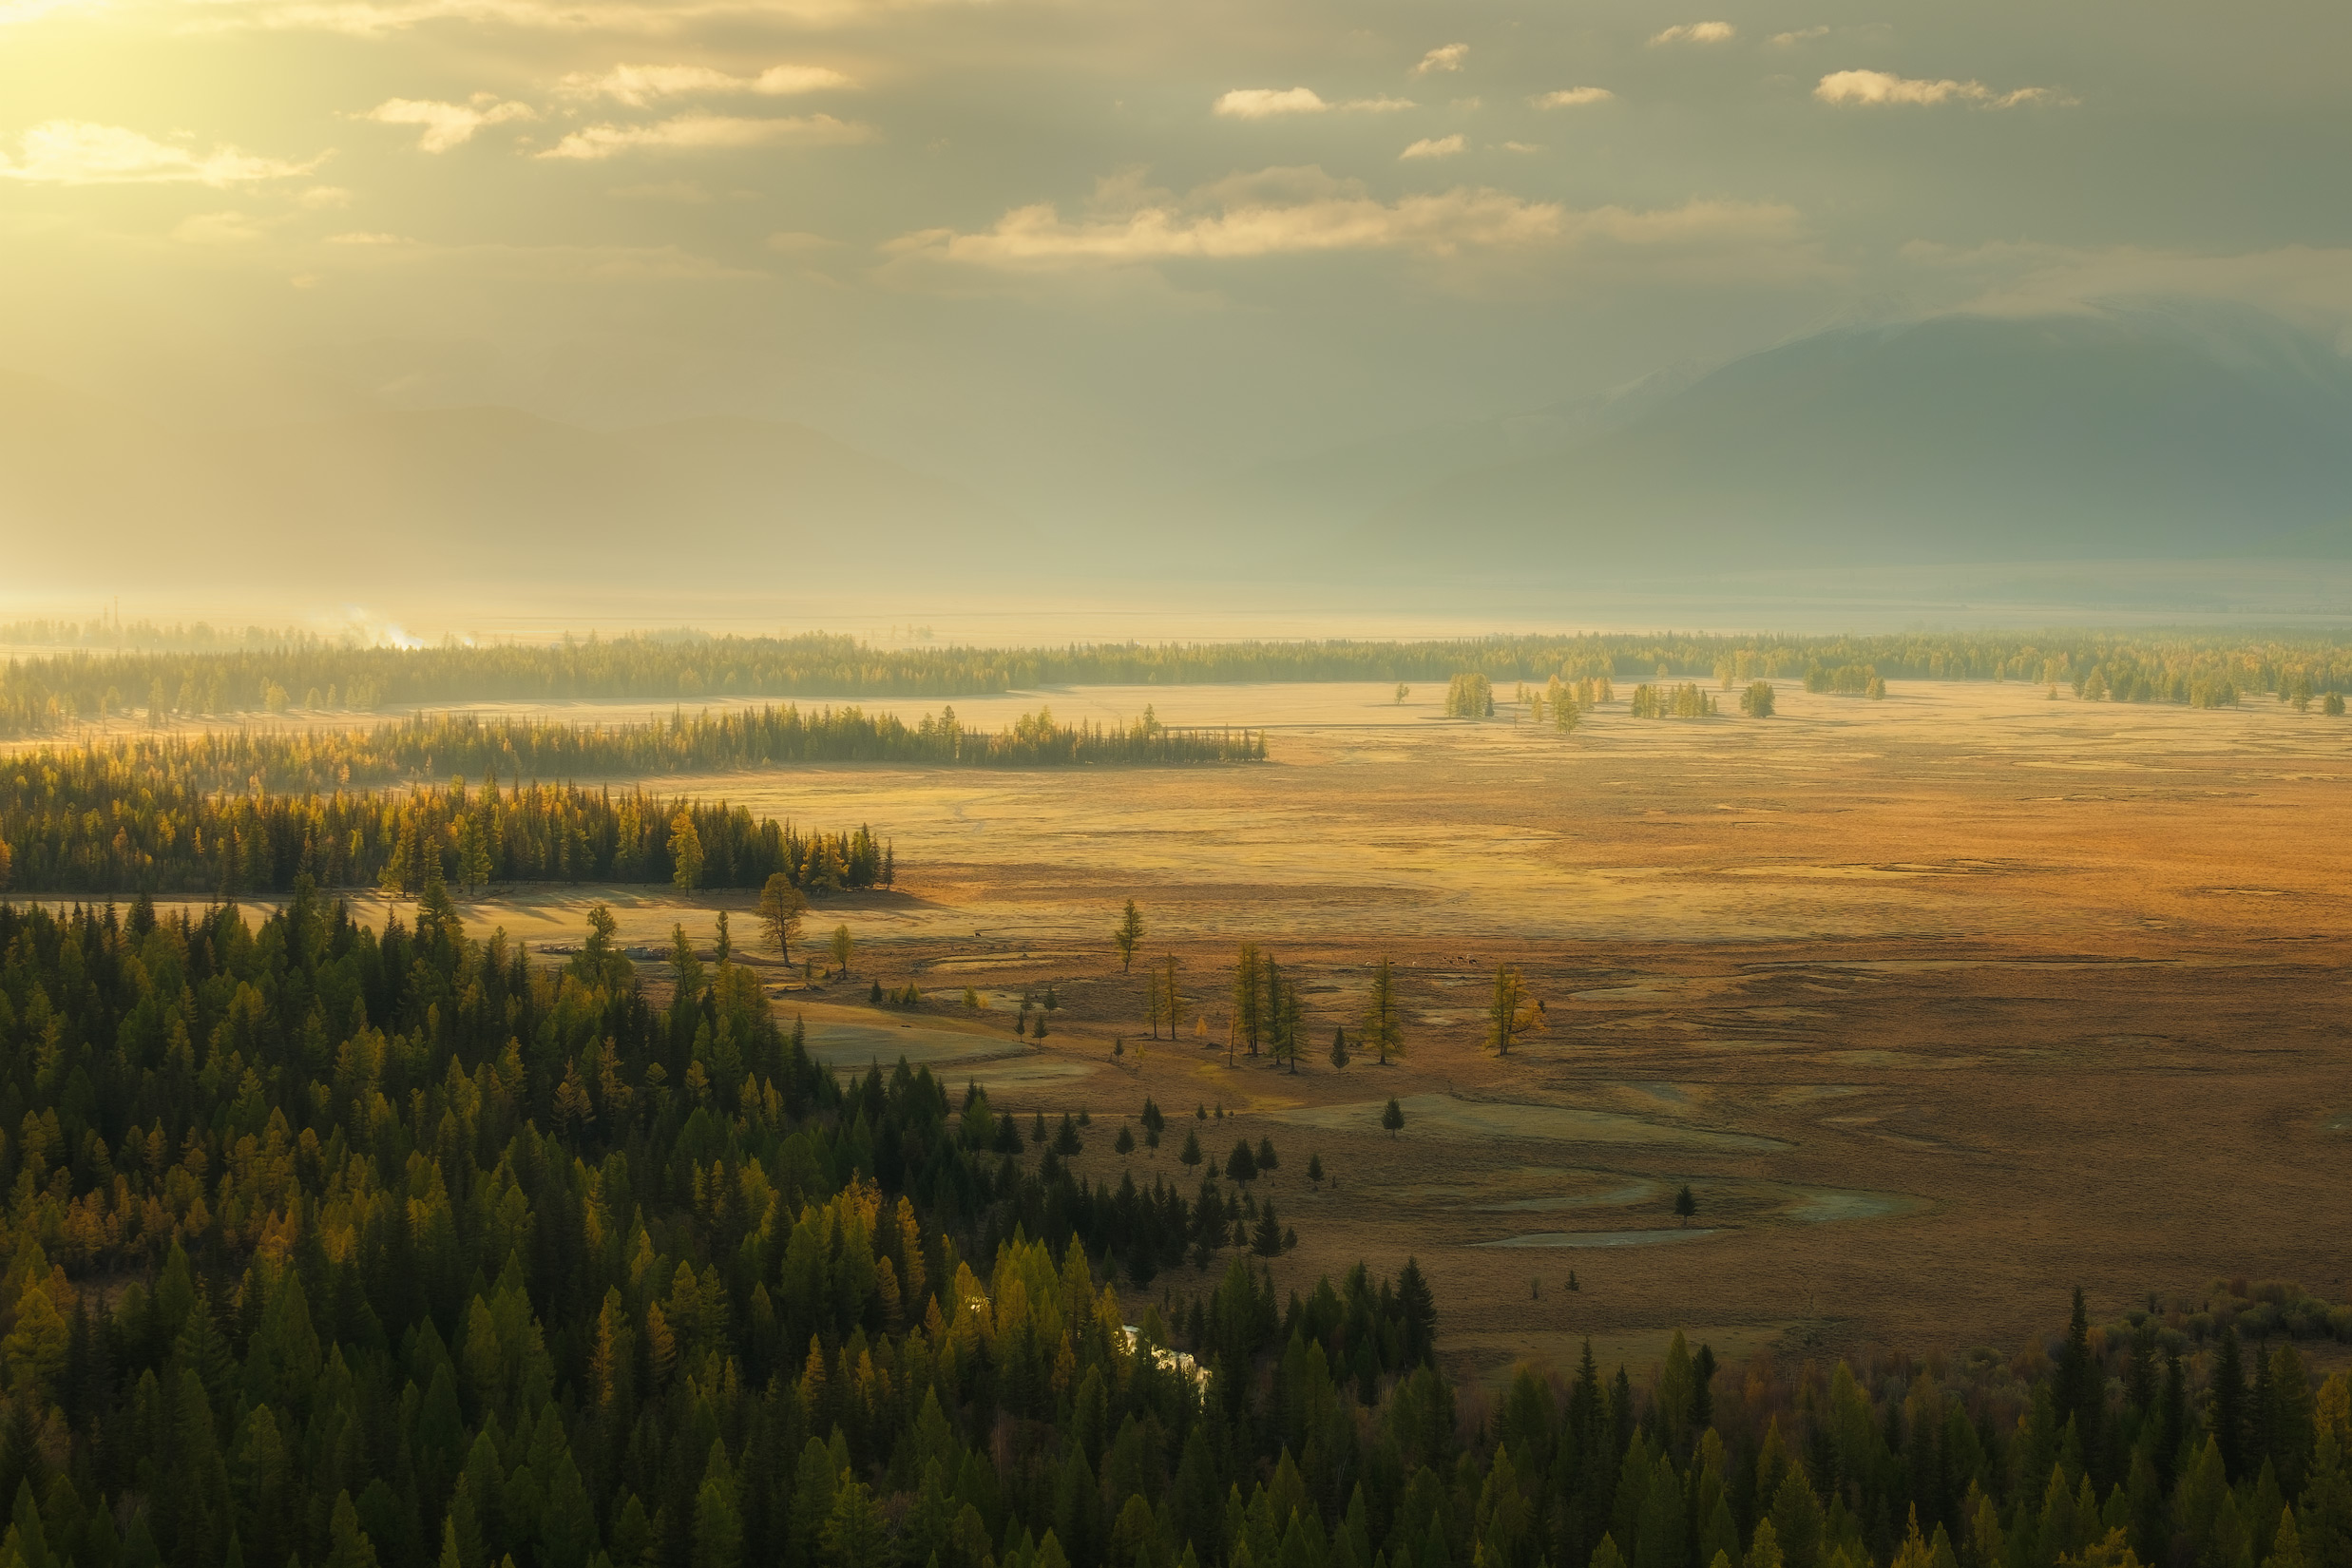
x,y
1392,1117
1382,1026
1129,933
1339,1048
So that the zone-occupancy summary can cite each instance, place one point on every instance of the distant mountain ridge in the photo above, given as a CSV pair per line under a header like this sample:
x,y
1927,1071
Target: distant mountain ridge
x,y
2145,430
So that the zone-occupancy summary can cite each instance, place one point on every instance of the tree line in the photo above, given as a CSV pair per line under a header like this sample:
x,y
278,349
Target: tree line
x,y
336,1245
47,694
444,744
79,822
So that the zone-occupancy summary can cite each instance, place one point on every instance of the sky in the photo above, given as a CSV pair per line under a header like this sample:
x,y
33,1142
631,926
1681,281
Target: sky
x,y
1067,250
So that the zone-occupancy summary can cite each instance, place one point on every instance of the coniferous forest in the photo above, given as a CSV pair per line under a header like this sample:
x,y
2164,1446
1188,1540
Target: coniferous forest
x,y
79,823
162,679
337,1245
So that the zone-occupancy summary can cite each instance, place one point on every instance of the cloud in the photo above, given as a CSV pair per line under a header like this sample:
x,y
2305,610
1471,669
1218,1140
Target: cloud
x,y
1696,32
1267,102
32,11
321,198
637,86
706,132
1522,146
1436,147
374,18
76,152
1884,87
1444,57
363,236
1466,232
1800,35
1572,98
447,126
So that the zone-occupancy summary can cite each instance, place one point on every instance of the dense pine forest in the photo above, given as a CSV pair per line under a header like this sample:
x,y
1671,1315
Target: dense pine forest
x,y
447,745
44,695
332,1245
87,822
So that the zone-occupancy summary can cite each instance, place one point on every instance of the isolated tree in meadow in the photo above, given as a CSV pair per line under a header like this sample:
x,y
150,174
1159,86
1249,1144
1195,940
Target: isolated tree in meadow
x,y
1267,1240
1471,696
1339,1047
1512,1013
1125,1142
1267,1159
781,907
844,948
1283,1020
1756,702
1685,1205
1392,1117
1171,1000
1382,1028
1130,933
1191,1154
1402,692
1065,1137
1314,1171
1248,990
685,853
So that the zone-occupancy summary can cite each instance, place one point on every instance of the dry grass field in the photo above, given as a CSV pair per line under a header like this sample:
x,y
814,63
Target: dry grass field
x,y
1940,1003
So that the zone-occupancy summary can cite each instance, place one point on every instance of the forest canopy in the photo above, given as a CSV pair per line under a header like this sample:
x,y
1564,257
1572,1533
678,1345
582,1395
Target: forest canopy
x,y
332,1244
45,694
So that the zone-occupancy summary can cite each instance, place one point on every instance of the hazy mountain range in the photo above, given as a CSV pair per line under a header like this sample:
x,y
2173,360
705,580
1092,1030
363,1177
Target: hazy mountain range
x,y
2144,432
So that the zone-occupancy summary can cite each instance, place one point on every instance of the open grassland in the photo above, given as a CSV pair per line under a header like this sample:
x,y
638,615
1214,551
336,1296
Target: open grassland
x,y
1938,1004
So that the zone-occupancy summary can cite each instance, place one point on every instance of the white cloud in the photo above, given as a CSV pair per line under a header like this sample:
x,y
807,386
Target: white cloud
x,y
1696,32
1303,211
1444,57
447,126
32,11
373,18
1267,102
1884,87
363,236
1572,98
1800,35
1436,147
703,132
76,152
1522,146
637,86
